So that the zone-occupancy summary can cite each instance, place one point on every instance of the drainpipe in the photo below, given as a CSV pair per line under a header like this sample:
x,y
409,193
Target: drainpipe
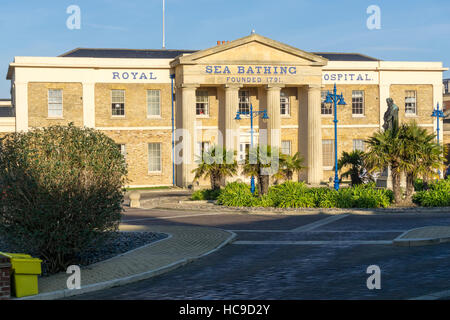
x,y
172,77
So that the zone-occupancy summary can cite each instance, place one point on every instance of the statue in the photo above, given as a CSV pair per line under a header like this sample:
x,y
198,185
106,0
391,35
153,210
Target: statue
x,y
391,116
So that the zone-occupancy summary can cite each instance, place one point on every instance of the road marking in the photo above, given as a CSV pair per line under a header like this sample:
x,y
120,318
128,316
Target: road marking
x,y
174,217
321,231
434,296
319,223
334,242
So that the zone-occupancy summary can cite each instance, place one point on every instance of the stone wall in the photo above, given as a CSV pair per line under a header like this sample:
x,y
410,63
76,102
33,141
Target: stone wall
x,y
38,104
5,273
136,144
135,105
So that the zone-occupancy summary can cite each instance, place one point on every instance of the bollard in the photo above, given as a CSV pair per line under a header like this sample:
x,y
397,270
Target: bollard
x,y
134,199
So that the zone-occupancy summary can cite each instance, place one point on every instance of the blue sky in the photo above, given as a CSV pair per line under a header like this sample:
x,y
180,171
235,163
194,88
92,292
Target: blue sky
x,y
410,30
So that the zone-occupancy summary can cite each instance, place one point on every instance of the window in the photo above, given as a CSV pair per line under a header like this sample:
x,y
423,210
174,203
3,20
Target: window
x,y
55,103
201,148
286,147
153,103
244,149
202,105
154,157
118,102
358,144
328,153
325,108
123,150
244,101
358,102
410,102
284,104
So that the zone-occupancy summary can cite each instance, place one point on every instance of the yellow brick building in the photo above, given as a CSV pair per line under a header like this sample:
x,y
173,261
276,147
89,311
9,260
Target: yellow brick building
x,y
127,94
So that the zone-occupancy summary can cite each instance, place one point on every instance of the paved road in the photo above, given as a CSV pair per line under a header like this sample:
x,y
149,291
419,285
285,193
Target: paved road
x,y
297,257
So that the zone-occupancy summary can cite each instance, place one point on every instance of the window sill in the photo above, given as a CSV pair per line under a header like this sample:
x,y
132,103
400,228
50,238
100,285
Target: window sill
x,y
155,173
118,117
287,116
154,117
205,116
409,115
55,118
327,115
358,115
328,168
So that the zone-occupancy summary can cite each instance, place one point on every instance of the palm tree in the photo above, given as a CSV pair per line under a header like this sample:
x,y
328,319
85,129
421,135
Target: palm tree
x,y
217,163
357,170
421,155
262,162
289,165
384,151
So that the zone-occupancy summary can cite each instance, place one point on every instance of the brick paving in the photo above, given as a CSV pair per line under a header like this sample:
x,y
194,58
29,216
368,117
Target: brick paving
x,y
185,244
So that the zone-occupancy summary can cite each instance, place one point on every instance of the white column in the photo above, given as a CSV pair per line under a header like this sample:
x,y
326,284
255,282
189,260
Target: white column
x,y
231,134
188,99
21,104
315,164
303,127
89,104
274,121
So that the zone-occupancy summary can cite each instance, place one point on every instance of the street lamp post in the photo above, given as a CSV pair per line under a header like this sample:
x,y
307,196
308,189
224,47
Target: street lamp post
x,y
438,114
336,100
252,114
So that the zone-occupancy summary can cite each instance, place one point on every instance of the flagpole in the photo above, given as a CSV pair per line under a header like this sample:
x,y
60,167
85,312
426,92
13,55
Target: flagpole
x,y
164,33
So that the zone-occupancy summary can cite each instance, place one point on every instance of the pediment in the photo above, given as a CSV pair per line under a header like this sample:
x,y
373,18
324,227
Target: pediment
x,y
253,49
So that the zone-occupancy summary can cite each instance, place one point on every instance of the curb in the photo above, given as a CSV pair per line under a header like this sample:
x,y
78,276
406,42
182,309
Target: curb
x,y
308,211
415,242
127,280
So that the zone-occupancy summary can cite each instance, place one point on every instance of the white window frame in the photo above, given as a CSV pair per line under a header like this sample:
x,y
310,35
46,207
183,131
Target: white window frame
x,y
323,96
112,102
242,103
414,104
289,147
358,144
362,103
199,95
285,100
152,157
151,104
53,103
200,148
331,143
123,149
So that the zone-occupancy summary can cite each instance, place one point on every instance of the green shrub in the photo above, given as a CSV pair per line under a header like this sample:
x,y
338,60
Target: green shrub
x,y
364,196
206,194
237,194
291,195
438,195
61,192
324,197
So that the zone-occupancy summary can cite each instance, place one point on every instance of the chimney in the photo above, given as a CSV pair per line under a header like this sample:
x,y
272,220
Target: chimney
x,y
218,43
223,42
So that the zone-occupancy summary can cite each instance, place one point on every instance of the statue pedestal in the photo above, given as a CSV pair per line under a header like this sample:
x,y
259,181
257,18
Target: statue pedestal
x,y
385,180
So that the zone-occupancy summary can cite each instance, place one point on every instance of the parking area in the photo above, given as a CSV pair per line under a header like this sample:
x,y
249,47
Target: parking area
x,y
297,257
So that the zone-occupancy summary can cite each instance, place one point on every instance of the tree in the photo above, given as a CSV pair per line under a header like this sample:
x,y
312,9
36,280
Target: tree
x,y
217,163
289,165
357,168
62,192
409,149
420,155
384,151
262,162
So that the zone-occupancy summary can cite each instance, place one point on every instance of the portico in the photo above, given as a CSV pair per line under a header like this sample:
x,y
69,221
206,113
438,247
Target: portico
x,y
255,70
